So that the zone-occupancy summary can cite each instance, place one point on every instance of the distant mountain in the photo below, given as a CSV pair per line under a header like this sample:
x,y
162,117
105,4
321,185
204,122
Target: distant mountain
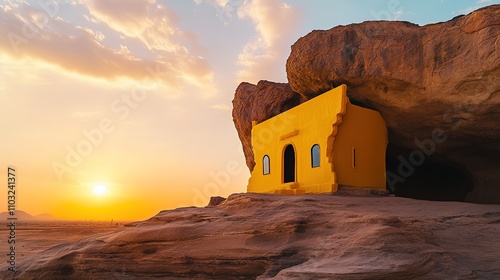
x,y
21,215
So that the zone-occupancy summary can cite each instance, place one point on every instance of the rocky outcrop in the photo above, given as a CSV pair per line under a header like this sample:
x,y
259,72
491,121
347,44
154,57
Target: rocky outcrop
x,y
437,87
251,236
215,200
258,103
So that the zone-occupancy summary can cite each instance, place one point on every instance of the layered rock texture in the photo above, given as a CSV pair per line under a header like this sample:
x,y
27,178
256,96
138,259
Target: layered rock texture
x,y
437,87
257,236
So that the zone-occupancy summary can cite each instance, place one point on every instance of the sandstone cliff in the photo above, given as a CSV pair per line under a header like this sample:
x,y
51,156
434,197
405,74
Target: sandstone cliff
x,y
427,81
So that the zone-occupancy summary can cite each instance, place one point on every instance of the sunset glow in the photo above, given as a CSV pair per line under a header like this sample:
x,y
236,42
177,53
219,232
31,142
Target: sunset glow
x,y
121,109
99,190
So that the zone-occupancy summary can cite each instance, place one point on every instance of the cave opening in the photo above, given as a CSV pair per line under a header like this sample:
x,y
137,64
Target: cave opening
x,y
430,180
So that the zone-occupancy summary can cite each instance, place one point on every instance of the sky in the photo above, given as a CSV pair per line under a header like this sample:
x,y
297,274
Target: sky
x,y
118,109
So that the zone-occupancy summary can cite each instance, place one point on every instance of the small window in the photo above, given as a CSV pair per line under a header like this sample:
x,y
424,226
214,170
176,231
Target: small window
x,y
315,155
353,158
265,165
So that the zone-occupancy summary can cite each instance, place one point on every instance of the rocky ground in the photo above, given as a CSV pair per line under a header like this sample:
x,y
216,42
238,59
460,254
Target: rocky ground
x,y
251,236
34,237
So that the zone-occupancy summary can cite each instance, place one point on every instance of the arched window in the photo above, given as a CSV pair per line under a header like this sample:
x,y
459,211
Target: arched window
x,y
265,165
315,155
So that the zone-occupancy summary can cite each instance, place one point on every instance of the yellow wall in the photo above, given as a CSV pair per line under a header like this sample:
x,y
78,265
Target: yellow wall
x,y
317,122
365,131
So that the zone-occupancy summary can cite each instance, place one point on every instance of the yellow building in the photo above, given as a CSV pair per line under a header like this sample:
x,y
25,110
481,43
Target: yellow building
x,y
317,145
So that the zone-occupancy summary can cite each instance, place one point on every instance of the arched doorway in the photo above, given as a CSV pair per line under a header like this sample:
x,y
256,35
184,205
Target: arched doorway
x,y
289,164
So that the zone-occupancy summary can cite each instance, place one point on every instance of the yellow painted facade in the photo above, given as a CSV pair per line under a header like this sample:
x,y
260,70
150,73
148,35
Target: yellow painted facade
x,y
317,145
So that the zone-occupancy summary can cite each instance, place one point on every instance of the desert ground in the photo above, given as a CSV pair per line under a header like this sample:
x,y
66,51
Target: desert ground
x,y
259,236
33,237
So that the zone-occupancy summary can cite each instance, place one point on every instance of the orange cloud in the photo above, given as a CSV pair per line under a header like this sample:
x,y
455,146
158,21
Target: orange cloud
x,y
152,23
36,34
264,57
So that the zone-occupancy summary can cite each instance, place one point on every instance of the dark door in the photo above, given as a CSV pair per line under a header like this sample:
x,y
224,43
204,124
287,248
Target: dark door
x,y
289,164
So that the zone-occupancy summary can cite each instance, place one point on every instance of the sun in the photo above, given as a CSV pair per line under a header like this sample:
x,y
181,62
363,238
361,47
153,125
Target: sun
x,y
99,190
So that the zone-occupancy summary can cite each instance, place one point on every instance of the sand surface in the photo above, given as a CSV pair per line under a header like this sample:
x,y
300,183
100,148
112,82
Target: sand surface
x,y
255,236
33,237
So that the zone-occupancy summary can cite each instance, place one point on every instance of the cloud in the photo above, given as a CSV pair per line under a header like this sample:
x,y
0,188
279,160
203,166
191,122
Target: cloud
x,y
264,56
33,33
153,23
398,14
225,9
478,4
